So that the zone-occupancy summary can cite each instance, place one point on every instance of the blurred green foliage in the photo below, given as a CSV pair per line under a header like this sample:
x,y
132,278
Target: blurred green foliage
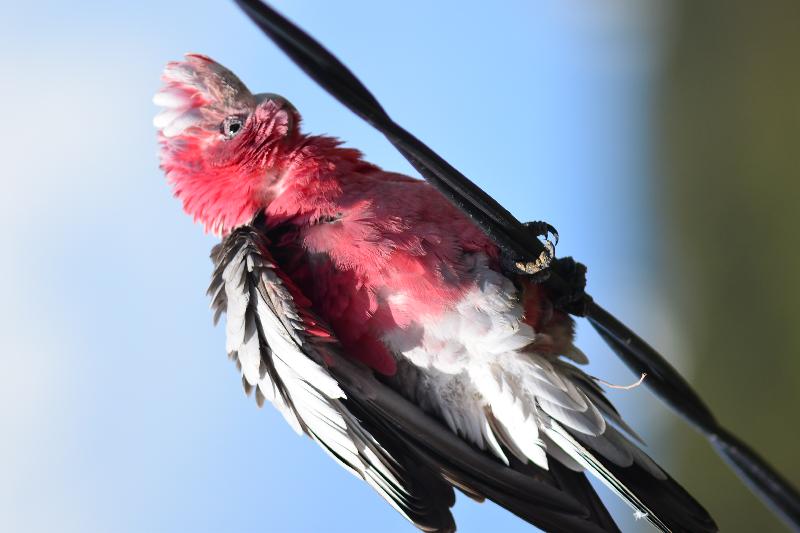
x,y
730,206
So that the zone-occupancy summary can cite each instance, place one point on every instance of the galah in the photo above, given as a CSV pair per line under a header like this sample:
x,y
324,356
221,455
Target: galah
x,y
383,324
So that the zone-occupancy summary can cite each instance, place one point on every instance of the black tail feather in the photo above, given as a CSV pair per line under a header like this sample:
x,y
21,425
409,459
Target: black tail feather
x,y
578,485
666,498
529,492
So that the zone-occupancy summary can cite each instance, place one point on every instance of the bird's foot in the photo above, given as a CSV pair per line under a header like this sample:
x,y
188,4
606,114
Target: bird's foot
x,y
539,268
568,290
570,294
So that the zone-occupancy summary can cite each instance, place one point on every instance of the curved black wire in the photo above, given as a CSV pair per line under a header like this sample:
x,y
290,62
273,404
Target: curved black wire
x,y
514,239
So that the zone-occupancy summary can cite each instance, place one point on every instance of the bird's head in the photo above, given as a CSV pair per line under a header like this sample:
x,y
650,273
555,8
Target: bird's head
x,y
220,144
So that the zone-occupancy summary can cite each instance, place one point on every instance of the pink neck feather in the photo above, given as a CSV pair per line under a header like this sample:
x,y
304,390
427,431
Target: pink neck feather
x,y
309,186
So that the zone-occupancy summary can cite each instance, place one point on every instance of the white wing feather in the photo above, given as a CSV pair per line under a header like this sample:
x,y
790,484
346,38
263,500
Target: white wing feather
x,y
276,356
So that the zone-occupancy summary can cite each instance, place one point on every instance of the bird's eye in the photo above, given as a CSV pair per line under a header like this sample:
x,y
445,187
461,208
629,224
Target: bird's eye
x,y
231,126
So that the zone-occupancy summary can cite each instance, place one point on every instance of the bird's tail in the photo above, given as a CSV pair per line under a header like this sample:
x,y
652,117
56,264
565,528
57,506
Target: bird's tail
x,y
645,487
546,411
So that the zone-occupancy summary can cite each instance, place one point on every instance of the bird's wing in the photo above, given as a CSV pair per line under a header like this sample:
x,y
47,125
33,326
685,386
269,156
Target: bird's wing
x,y
284,354
289,356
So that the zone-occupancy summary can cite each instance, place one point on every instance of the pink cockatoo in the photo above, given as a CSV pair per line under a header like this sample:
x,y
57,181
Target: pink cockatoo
x,y
381,323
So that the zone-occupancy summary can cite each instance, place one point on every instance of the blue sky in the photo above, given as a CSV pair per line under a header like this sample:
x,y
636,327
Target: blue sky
x,y
120,410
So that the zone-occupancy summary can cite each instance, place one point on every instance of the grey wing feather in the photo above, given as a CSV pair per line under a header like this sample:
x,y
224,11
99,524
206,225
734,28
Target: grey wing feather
x,y
267,337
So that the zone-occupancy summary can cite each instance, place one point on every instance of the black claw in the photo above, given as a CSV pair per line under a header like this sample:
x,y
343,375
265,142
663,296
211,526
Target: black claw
x,y
542,229
538,269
